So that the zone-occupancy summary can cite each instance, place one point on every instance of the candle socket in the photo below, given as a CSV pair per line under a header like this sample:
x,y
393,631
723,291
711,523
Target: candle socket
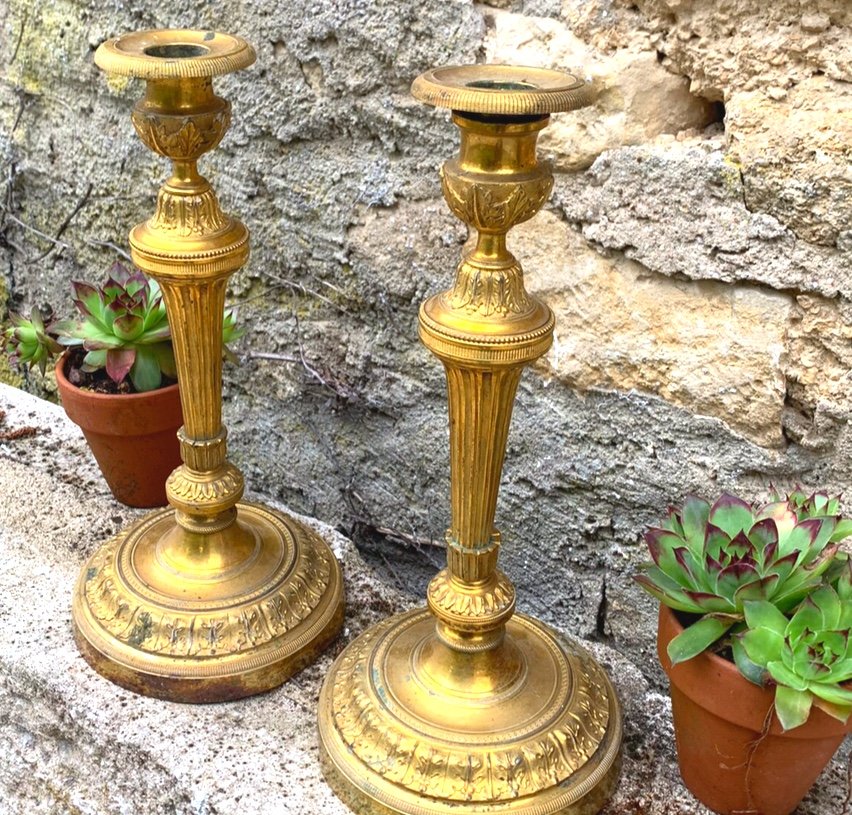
x,y
214,598
466,706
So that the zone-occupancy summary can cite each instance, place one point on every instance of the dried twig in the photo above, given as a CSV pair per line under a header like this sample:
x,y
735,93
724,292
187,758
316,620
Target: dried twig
x,y
64,225
412,540
110,245
20,37
309,368
35,231
20,113
295,286
16,246
80,204
329,285
339,390
18,433
387,532
274,357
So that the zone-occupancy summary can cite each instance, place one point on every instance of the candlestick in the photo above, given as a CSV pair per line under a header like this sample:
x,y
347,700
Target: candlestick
x,y
466,706
215,598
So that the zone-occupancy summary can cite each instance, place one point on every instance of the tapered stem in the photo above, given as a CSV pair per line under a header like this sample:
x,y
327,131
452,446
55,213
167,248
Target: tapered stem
x,y
197,339
480,405
191,248
485,330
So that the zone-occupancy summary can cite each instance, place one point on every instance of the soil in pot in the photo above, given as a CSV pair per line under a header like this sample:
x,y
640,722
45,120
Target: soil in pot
x,y
733,755
133,436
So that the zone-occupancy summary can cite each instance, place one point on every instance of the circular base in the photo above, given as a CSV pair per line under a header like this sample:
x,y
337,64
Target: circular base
x,y
205,628
395,738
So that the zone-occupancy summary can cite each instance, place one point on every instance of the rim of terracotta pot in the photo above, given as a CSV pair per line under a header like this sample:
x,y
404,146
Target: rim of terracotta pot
x,y
114,403
699,679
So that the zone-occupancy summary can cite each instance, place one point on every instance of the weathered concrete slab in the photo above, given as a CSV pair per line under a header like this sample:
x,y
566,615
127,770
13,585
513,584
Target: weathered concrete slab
x,y
70,742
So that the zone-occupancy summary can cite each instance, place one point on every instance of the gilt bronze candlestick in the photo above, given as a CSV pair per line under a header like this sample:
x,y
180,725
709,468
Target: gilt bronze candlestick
x,y
467,707
215,598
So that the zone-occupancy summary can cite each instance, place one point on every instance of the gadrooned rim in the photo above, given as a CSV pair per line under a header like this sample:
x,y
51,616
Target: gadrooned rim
x,y
126,55
515,91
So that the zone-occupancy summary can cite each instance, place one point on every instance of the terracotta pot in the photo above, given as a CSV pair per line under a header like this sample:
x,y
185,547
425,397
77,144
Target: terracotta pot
x,y
133,437
728,758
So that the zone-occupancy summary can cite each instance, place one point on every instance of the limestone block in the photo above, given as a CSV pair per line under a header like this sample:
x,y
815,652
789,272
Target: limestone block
x,y
679,208
607,25
796,156
725,46
713,348
782,70
819,371
637,98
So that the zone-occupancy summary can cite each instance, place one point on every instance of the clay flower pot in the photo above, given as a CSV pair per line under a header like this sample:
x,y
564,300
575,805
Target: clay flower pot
x,y
733,755
132,436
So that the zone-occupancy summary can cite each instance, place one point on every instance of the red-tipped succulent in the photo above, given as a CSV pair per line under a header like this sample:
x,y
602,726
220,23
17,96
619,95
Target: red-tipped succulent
x,y
123,329
710,560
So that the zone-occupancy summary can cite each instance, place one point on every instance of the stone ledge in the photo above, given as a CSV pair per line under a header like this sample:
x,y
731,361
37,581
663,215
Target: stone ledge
x,y
70,742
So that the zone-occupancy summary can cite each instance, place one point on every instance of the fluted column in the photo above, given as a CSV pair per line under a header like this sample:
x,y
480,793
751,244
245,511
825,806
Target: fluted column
x,y
485,330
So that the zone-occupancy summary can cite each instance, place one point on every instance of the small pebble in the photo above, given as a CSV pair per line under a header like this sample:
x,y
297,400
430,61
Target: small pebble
x,y
815,23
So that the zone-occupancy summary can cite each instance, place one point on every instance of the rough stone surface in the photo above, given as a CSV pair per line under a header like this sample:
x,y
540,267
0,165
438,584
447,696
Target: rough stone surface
x,y
633,209
622,326
794,149
70,742
679,209
336,409
728,46
782,71
637,99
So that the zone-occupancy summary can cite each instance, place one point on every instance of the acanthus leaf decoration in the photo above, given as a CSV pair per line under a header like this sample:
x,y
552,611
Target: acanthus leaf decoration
x,y
148,629
452,771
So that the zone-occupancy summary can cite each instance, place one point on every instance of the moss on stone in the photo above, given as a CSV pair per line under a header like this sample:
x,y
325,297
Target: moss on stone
x,y
45,36
732,176
8,375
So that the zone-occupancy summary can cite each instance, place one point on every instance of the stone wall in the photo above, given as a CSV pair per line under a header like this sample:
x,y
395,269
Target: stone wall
x,y
696,251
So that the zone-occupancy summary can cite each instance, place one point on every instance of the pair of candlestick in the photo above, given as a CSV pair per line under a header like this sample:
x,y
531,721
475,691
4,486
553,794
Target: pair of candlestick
x,y
462,707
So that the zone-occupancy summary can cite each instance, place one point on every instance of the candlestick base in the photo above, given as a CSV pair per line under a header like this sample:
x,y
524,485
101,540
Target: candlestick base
x,y
208,618
408,725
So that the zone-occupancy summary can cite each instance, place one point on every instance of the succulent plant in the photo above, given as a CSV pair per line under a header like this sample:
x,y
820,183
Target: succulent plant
x,y
815,505
807,657
29,342
711,560
123,329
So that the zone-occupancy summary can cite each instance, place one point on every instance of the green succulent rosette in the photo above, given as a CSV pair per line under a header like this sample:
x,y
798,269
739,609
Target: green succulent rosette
x,y
709,560
29,341
123,329
808,657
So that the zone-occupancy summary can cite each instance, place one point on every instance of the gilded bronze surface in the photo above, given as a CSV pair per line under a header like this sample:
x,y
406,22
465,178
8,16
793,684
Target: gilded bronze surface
x,y
467,707
215,598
